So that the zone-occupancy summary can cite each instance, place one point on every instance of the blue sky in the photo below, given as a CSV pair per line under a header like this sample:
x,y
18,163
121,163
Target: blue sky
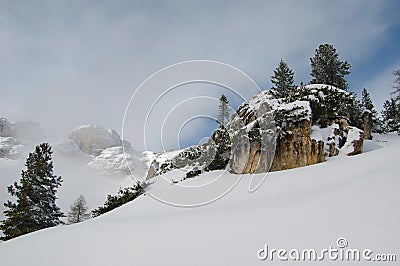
x,y
67,63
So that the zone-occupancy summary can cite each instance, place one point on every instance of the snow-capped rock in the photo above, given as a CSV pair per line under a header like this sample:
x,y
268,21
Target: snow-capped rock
x,y
92,139
113,161
11,148
354,141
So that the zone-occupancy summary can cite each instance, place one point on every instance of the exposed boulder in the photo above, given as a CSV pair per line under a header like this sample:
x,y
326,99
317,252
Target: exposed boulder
x,y
92,139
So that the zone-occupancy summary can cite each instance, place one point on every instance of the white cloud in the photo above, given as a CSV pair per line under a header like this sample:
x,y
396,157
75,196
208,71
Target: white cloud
x,y
68,63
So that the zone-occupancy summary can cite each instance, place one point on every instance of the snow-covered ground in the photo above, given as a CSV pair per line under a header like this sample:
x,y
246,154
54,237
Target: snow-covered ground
x,y
305,208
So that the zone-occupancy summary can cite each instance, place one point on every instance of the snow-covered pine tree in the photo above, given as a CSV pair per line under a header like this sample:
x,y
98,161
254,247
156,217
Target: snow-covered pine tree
x,y
326,68
78,211
391,117
283,81
35,207
223,110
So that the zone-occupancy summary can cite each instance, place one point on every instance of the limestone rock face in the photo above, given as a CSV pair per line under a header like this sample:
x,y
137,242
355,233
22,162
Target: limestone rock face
x,y
297,149
93,139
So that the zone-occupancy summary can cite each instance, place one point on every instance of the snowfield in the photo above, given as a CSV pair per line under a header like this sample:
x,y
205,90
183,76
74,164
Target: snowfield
x,y
305,208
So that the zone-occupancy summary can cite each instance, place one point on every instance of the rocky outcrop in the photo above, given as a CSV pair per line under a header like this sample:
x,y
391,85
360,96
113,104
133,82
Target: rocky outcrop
x,y
293,147
267,134
93,140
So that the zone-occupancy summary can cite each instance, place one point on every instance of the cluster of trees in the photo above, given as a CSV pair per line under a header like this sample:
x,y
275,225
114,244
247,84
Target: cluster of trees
x,y
327,68
124,196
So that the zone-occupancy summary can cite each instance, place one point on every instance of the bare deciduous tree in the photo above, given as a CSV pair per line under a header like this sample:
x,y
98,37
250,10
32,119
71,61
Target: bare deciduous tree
x,y
78,211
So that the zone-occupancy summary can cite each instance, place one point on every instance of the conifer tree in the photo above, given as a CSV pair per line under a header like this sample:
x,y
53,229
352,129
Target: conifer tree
x,y
223,110
282,81
368,106
396,85
35,207
78,211
366,101
326,68
391,117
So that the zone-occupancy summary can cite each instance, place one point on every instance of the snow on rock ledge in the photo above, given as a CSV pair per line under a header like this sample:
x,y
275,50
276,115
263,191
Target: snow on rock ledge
x,y
354,142
93,140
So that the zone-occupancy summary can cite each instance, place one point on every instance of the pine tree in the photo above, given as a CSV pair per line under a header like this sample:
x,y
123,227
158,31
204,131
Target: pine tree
x,y
391,117
368,106
327,68
283,80
223,114
396,85
78,211
35,207
366,101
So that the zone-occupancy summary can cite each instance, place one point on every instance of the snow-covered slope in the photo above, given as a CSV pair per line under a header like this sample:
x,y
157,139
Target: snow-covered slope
x,y
305,208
